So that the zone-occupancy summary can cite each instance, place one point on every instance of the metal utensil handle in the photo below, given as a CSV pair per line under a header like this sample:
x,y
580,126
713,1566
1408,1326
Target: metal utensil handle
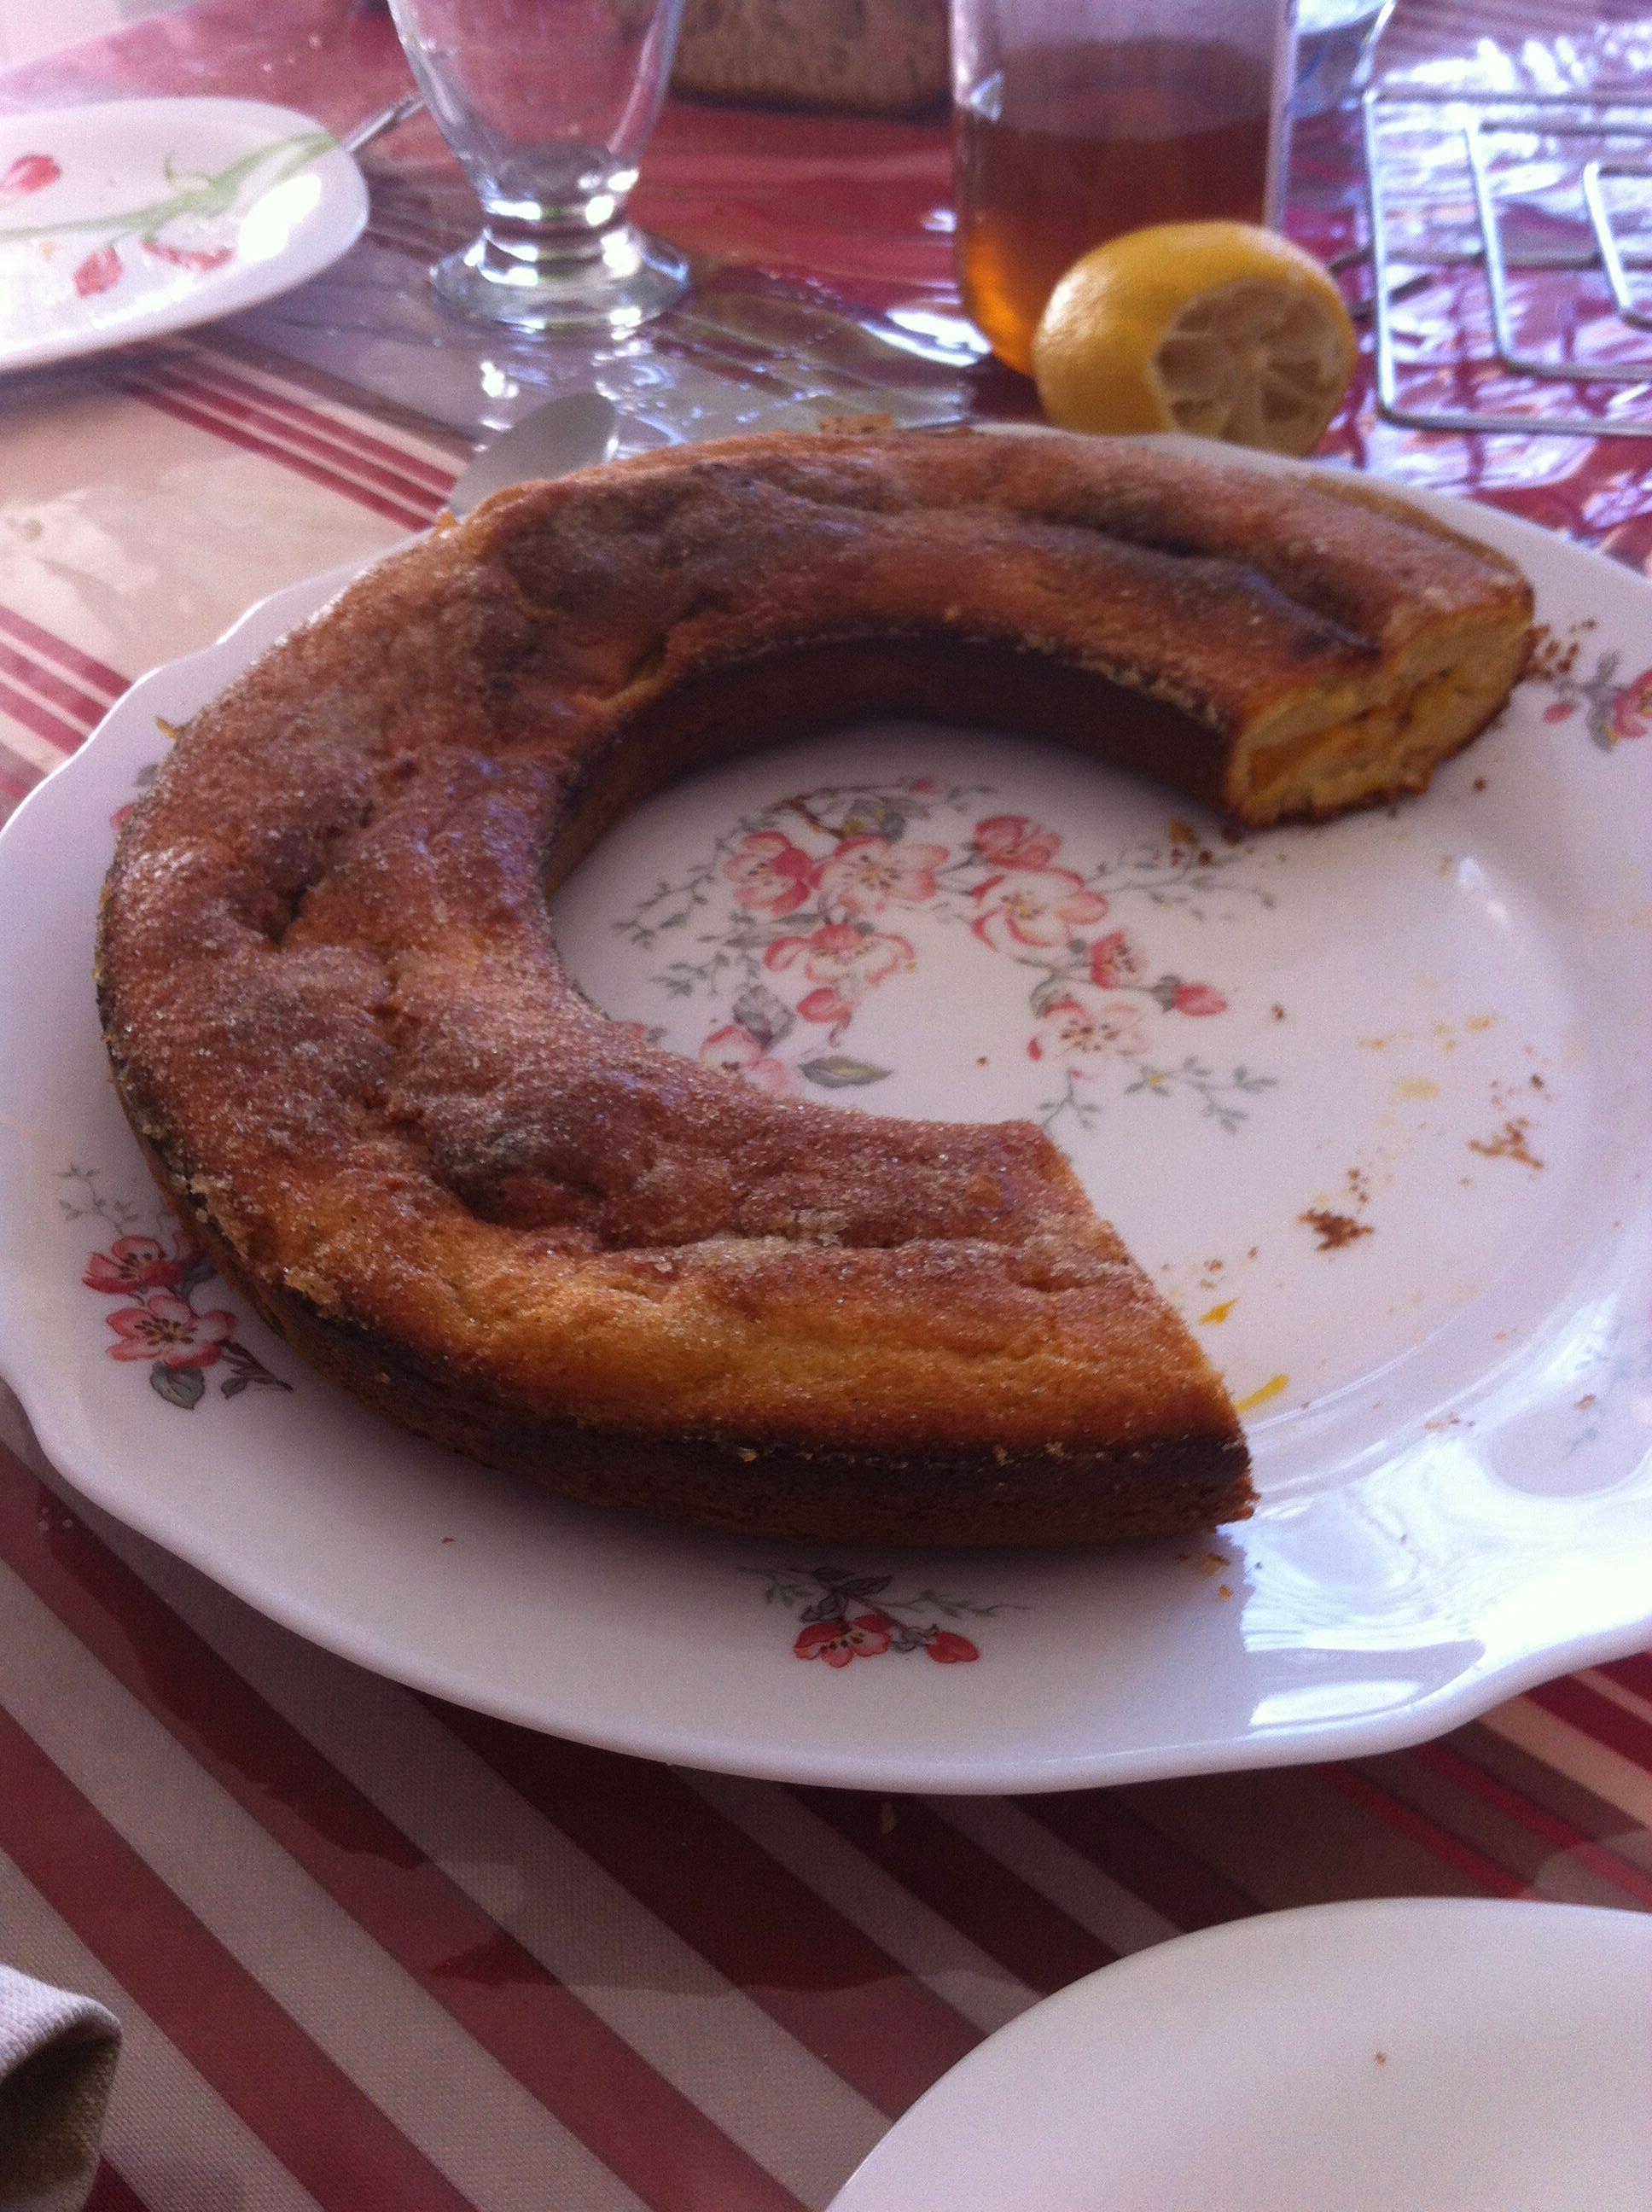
x,y
387,118
1610,117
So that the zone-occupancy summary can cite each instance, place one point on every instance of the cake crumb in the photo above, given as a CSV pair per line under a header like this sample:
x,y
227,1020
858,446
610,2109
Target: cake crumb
x,y
1271,1389
1508,1144
1224,1589
1479,783
1333,1230
1554,657
1381,2058
1279,1011
847,422
1217,1314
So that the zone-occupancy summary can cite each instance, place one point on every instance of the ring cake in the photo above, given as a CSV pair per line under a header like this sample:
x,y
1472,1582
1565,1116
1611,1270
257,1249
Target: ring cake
x,y
339,1026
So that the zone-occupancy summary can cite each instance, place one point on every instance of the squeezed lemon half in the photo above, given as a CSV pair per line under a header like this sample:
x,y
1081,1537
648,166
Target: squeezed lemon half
x,y
1220,329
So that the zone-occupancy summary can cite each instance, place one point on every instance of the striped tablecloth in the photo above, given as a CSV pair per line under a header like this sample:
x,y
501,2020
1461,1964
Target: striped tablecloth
x,y
370,1950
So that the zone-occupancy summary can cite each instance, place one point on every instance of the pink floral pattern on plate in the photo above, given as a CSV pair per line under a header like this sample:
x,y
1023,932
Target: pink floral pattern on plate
x,y
798,915
188,224
846,1616
1613,713
28,173
160,1326
143,780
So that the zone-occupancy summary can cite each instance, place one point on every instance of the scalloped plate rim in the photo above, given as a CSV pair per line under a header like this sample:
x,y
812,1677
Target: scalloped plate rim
x,y
1481,1685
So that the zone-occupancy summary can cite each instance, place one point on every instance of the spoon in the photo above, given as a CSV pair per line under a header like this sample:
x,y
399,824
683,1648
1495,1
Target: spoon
x,y
574,432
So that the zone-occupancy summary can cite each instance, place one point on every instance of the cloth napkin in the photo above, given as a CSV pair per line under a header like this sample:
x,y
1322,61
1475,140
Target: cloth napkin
x,y
58,2054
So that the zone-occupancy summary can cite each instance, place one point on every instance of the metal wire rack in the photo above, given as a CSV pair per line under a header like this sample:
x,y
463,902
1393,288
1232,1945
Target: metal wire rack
x,y
1508,231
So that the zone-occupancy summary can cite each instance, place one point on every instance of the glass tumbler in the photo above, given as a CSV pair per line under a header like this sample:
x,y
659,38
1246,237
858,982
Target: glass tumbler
x,y
547,106
1076,120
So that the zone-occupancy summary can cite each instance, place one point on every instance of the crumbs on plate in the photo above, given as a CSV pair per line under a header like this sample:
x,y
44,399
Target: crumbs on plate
x,y
1554,654
1508,1144
1333,1230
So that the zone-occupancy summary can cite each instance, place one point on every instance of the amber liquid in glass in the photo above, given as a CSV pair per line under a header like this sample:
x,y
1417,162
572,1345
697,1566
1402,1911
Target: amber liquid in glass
x,y
1069,145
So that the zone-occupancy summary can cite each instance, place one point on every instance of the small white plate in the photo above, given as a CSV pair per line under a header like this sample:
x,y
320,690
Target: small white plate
x,y
1407,1212
132,218
1407,2055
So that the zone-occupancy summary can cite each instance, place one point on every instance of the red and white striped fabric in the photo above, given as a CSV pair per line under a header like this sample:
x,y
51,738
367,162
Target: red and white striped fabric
x,y
371,1951
374,1950
209,475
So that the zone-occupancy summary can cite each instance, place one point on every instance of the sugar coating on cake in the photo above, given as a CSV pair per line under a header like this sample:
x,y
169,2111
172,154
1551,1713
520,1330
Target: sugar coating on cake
x,y
339,1025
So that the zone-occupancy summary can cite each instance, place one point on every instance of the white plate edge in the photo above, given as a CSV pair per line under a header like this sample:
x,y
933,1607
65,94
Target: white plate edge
x,y
1253,1931
1480,1687
186,314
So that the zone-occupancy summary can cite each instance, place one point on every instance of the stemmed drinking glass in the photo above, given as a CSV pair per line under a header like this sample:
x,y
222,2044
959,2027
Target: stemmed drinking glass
x,y
548,106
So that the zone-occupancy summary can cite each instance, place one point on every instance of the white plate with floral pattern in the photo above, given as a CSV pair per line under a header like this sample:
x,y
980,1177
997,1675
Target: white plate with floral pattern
x,y
1417,2054
129,219
1368,1099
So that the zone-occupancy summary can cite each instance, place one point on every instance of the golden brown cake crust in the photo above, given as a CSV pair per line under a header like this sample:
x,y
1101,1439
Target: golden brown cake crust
x,y
339,1025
